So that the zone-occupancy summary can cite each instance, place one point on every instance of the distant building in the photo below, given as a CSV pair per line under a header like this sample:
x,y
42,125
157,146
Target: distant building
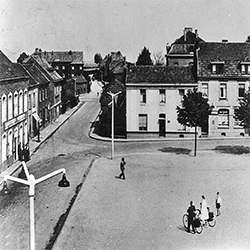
x,y
223,77
14,111
152,95
182,51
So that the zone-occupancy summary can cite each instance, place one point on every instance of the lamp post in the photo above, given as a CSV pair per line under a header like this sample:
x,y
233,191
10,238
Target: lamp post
x,y
31,182
112,125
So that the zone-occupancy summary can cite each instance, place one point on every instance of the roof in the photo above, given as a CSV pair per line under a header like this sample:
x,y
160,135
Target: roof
x,y
45,67
160,74
190,38
35,73
8,69
64,56
230,54
80,79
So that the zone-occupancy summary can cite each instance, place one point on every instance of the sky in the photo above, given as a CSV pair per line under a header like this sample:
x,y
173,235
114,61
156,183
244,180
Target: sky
x,y
104,26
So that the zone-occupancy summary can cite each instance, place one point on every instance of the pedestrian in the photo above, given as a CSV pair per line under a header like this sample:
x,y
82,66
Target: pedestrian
x,y
218,202
191,216
122,168
20,154
204,210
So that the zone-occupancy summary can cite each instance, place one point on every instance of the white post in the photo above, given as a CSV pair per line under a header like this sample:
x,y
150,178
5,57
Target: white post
x,y
112,128
32,212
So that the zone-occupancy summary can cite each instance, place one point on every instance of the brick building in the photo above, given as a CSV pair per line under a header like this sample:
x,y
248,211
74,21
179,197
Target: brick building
x,y
14,111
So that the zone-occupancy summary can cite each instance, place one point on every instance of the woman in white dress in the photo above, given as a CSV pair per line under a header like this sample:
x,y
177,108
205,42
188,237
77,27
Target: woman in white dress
x,y
204,210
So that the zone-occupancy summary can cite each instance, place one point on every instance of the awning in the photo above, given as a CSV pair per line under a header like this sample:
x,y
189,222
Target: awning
x,y
37,118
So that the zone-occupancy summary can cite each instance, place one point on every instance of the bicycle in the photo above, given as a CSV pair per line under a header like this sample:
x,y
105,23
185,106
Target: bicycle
x,y
197,223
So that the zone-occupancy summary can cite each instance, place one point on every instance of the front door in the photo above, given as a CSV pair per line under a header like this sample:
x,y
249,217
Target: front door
x,y
162,127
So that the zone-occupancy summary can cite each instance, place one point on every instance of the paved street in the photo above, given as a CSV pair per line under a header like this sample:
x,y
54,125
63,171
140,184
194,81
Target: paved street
x,y
145,210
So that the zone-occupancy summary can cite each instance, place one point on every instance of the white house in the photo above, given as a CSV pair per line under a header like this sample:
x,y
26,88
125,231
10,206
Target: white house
x,y
152,95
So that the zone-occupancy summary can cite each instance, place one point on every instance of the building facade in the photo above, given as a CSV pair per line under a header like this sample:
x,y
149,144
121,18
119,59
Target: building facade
x,y
14,111
153,93
223,73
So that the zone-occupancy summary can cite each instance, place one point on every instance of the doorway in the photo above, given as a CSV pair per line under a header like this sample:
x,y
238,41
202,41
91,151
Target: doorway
x,y
162,125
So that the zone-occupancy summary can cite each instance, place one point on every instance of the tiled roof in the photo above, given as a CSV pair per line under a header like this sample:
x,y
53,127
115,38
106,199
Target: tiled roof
x,y
190,39
160,74
181,49
64,56
36,75
45,67
8,69
80,79
231,54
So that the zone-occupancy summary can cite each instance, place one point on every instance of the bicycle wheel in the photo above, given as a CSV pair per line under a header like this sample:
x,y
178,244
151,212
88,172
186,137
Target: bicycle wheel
x,y
212,223
185,221
199,229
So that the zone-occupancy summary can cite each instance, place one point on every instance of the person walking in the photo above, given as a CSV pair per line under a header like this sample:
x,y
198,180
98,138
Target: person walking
x,y
122,168
191,216
218,203
204,210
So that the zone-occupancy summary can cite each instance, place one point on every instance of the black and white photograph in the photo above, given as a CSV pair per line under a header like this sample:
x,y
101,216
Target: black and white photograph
x,y
125,124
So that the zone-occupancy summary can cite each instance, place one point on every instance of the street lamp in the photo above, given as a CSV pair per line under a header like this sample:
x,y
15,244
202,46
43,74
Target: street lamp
x,y
31,182
112,126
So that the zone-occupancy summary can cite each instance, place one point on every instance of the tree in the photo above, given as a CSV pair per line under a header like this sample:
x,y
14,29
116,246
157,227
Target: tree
x,y
158,58
194,112
97,58
144,57
242,113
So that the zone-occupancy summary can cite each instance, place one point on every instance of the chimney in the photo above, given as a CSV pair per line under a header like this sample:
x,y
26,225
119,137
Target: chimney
x,y
224,40
185,33
196,33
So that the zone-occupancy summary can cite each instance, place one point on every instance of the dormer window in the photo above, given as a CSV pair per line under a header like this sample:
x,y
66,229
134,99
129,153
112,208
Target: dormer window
x,y
245,68
217,67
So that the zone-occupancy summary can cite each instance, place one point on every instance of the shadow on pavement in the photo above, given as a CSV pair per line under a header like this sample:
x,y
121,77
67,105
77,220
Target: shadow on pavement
x,y
175,150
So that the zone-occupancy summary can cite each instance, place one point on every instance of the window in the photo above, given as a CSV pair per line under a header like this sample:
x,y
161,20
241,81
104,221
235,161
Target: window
x,y
34,100
223,117
73,67
30,101
241,90
15,104
245,69
57,67
142,95
80,67
10,106
143,122
25,100
204,89
223,91
20,102
162,93
40,95
181,94
218,68
63,67
4,108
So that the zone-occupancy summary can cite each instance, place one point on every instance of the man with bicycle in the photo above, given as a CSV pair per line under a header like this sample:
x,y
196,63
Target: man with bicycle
x,y
191,216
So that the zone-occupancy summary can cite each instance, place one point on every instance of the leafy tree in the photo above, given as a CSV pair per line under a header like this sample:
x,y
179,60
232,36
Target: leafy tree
x,y
194,111
144,57
159,58
242,113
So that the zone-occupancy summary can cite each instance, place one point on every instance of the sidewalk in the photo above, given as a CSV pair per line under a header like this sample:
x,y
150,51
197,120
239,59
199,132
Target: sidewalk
x,y
44,135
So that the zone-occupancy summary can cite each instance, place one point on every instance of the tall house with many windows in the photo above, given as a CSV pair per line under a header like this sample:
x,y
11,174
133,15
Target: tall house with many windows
x,y
152,94
13,109
223,76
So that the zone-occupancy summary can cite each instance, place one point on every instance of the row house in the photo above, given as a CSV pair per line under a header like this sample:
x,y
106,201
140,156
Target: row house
x,y
67,63
223,73
38,97
51,95
152,94
14,111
